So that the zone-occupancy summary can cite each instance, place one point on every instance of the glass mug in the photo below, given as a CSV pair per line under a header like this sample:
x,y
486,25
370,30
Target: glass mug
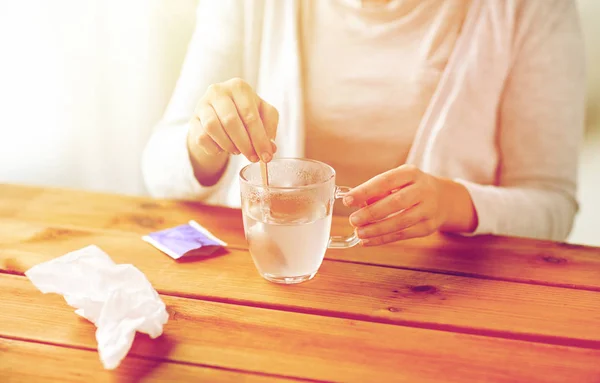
x,y
288,223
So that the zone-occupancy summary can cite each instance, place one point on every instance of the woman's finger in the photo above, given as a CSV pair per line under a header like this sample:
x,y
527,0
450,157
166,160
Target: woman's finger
x,y
400,200
247,108
421,229
233,125
199,139
209,145
211,127
382,184
202,138
396,222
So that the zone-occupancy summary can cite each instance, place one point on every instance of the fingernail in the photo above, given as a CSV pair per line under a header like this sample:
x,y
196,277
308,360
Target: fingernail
x,y
266,157
348,200
254,158
355,220
360,233
364,242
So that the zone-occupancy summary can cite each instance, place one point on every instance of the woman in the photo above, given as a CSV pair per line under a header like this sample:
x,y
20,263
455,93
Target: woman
x,y
453,115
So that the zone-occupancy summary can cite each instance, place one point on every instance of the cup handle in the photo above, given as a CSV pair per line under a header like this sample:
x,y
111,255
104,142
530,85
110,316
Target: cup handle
x,y
339,242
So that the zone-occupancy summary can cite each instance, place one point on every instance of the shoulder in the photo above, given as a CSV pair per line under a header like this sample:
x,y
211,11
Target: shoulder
x,y
218,9
539,17
229,8
543,8
529,25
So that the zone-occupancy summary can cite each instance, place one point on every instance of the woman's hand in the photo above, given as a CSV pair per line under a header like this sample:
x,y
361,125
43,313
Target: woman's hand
x,y
232,118
405,203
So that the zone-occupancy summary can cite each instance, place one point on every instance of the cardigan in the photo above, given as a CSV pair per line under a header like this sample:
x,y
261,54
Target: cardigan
x,y
506,119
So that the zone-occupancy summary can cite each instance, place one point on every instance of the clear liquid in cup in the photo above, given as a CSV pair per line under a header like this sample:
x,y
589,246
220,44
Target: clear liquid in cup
x,y
287,248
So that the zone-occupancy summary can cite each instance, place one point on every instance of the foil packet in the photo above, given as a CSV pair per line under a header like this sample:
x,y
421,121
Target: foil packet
x,y
191,239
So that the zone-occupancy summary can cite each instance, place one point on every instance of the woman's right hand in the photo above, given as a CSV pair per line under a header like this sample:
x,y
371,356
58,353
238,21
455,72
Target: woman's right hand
x,y
232,118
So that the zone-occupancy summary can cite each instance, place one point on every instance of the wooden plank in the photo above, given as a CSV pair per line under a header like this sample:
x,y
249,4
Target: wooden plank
x,y
510,259
301,345
35,362
14,198
371,293
79,209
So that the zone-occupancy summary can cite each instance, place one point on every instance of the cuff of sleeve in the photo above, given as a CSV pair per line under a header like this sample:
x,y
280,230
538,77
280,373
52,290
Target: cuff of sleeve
x,y
168,169
486,204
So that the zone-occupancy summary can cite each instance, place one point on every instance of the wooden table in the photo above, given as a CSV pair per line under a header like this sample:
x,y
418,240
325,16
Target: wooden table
x,y
437,309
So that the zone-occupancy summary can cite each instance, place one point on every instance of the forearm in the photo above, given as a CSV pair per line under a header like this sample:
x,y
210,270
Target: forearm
x,y
533,211
459,215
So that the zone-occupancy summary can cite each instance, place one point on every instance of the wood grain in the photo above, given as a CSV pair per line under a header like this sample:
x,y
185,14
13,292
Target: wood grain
x,y
370,293
15,198
35,362
301,345
109,212
509,259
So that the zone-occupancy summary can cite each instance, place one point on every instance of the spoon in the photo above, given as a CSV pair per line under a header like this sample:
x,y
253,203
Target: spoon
x,y
264,173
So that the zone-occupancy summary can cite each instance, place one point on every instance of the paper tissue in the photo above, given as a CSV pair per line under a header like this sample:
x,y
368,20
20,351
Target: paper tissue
x,y
118,299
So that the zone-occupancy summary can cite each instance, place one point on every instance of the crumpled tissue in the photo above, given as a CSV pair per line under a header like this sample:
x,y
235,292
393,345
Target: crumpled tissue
x,y
118,299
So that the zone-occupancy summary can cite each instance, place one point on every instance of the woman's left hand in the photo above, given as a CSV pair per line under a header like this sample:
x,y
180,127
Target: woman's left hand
x,y
406,202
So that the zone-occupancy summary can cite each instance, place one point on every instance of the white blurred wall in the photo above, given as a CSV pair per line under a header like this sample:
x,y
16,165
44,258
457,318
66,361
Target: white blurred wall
x,y
82,82
590,23
587,223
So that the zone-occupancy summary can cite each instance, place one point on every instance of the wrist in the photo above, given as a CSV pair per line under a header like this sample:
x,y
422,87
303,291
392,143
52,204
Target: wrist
x,y
208,168
457,208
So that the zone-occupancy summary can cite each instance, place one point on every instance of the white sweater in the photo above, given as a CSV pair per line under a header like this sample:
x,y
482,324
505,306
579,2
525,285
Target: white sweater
x,y
506,119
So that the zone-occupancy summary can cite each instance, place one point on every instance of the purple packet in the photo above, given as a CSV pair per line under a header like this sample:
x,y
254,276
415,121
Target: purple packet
x,y
188,239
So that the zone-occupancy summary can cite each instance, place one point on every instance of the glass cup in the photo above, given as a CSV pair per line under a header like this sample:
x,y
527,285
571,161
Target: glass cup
x,y
288,223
